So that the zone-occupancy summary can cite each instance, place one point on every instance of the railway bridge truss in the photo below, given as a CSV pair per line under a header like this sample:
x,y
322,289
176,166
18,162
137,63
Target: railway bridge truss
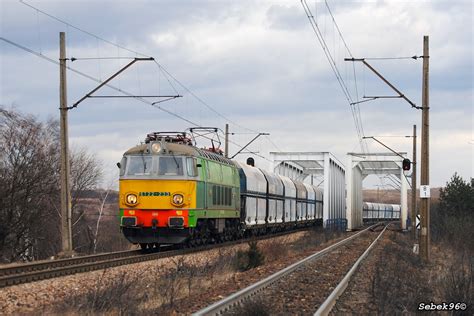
x,y
324,170
360,165
342,186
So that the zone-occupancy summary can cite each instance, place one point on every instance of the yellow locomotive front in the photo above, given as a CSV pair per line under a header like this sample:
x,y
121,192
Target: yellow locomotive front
x,y
158,186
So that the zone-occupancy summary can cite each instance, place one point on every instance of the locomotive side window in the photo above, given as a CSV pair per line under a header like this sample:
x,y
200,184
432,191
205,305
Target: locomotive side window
x,y
170,166
191,166
219,195
227,196
123,164
214,194
208,171
139,165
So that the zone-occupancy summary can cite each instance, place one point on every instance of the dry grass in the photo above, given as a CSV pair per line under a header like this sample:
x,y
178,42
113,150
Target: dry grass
x,y
118,295
402,281
398,284
166,286
457,281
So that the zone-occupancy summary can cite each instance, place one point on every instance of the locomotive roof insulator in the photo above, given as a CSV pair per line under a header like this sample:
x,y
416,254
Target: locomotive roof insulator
x,y
169,137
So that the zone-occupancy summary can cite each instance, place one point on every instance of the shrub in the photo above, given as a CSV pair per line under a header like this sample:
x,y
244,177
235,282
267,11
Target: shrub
x,y
452,218
457,283
251,308
249,259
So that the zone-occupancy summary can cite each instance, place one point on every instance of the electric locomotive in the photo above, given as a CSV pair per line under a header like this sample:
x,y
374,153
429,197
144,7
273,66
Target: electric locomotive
x,y
172,192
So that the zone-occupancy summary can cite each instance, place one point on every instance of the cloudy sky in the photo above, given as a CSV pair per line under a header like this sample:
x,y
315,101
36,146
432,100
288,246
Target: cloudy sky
x,y
256,65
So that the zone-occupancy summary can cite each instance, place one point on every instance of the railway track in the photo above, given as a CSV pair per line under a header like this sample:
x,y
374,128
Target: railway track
x,y
305,285
331,300
12,269
34,271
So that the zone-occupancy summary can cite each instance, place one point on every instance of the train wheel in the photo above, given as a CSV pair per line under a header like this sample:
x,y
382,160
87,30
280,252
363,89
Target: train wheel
x,y
191,242
144,246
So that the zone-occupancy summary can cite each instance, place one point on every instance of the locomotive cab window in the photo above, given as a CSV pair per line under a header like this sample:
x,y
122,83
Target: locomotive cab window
x,y
139,165
191,167
122,165
170,166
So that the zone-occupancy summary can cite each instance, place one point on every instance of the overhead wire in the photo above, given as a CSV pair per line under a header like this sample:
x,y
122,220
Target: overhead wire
x,y
250,151
335,69
96,80
161,68
98,60
354,110
241,147
273,143
80,29
202,101
326,51
357,110
38,27
337,27
354,107
143,55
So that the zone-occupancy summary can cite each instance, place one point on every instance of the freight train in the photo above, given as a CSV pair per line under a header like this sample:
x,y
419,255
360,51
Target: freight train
x,y
373,212
172,192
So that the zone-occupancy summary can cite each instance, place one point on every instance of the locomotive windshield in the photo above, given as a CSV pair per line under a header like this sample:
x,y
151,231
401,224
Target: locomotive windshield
x,y
158,166
170,166
139,166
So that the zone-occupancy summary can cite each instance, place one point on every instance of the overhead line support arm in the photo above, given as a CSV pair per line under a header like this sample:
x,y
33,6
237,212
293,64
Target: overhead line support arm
x,y
108,80
384,80
393,151
253,139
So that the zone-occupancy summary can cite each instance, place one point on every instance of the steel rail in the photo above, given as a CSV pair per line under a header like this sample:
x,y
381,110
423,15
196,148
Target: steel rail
x,y
329,303
16,268
243,295
81,267
35,271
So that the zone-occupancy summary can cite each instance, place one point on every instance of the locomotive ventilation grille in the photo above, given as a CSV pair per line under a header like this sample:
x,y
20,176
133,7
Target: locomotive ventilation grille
x,y
129,221
176,222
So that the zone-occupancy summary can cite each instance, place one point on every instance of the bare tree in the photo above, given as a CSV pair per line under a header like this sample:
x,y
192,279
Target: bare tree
x,y
29,176
29,185
103,199
86,173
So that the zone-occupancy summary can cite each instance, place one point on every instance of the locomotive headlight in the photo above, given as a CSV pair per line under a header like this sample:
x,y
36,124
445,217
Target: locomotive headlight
x,y
131,199
177,199
156,147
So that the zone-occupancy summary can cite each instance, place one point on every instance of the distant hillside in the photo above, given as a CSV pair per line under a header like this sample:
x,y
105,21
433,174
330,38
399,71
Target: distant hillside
x,y
393,196
99,193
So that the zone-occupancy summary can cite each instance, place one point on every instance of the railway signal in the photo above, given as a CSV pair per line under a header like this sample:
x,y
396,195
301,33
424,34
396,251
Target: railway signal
x,y
406,164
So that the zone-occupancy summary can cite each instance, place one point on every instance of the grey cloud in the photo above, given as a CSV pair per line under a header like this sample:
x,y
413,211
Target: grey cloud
x,y
130,21
286,17
275,80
